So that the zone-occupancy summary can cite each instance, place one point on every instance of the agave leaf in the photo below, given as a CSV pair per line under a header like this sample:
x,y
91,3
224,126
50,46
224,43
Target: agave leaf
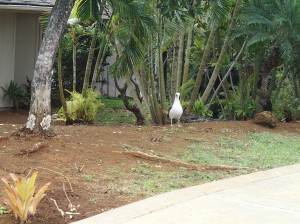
x,y
13,203
19,185
12,207
37,198
31,180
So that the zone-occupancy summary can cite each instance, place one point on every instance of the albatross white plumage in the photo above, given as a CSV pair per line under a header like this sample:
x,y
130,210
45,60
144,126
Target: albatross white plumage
x,y
176,110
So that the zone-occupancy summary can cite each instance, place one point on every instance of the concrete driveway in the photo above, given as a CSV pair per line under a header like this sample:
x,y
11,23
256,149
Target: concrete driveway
x,y
266,197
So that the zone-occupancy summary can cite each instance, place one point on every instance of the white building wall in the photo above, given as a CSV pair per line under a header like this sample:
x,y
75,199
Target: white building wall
x,y
27,43
108,87
7,52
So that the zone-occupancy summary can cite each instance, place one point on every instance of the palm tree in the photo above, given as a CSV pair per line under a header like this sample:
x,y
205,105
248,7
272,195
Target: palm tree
x,y
222,53
90,10
73,23
216,12
276,25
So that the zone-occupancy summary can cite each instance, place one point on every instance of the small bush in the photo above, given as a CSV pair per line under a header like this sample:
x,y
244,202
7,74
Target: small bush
x,y
200,109
82,109
15,94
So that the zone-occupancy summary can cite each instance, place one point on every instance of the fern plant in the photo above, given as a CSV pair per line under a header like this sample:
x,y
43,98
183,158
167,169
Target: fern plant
x,y
200,109
22,198
81,108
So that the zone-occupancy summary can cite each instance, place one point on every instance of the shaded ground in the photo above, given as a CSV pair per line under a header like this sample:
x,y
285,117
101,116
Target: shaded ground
x,y
90,157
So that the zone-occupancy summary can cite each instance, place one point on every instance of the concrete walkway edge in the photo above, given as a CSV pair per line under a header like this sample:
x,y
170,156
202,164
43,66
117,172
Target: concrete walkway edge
x,y
221,191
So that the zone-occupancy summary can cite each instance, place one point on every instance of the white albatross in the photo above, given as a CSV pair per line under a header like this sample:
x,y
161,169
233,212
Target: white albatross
x,y
176,110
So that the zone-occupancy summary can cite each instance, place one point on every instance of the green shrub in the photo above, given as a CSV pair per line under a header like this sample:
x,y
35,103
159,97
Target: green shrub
x,y
82,109
200,109
15,94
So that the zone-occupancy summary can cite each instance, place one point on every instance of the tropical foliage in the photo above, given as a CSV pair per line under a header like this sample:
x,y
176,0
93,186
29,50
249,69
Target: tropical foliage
x,y
82,109
15,94
230,57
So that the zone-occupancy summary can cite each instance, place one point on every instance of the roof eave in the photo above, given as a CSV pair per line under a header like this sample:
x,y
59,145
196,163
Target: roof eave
x,y
26,8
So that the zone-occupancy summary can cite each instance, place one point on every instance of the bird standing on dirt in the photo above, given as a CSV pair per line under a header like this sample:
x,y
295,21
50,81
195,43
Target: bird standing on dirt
x,y
176,110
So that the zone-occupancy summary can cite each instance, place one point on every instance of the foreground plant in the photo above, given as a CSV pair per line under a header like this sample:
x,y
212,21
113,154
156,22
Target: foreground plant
x,y
21,198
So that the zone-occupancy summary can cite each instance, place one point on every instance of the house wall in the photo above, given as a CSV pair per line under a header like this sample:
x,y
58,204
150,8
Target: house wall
x,y
27,44
7,52
19,42
108,88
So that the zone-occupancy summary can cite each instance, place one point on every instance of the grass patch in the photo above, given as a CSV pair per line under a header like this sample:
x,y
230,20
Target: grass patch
x,y
114,113
149,181
256,150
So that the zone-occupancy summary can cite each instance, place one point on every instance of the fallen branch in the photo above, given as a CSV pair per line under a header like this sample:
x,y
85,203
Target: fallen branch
x,y
62,212
72,207
33,149
191,166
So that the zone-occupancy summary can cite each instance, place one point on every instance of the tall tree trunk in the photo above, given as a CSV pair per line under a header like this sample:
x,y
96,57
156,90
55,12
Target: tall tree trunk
x,y
162,86
222,54
74,57
204,61
264,101
89,63
140,119
99,61
180,62
174,68
102,50
187,53
156,112
257,64
61,88
39,119
226,75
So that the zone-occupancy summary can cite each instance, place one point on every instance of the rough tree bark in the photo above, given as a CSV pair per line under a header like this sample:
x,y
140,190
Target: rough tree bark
x,y
39,119
264,101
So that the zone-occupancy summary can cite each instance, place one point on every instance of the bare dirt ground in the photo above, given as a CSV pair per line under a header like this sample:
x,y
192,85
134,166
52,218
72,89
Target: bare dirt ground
x,y
83,155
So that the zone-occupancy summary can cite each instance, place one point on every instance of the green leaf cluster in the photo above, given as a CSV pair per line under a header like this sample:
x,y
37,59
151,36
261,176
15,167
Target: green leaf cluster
x,y
15,94
82,109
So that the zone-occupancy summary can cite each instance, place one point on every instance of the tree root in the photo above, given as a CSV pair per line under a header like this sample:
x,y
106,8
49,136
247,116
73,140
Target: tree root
x,y
191,166
26,132
33,149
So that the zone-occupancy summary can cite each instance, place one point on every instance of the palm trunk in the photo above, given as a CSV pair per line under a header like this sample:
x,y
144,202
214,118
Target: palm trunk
x,y
61,88
140,119
204,61
74,58
222,54
180,62
187,54
99,61
89,63
257,65
227,74
162,86
174,69
264,101
156,106
296,85
39,119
